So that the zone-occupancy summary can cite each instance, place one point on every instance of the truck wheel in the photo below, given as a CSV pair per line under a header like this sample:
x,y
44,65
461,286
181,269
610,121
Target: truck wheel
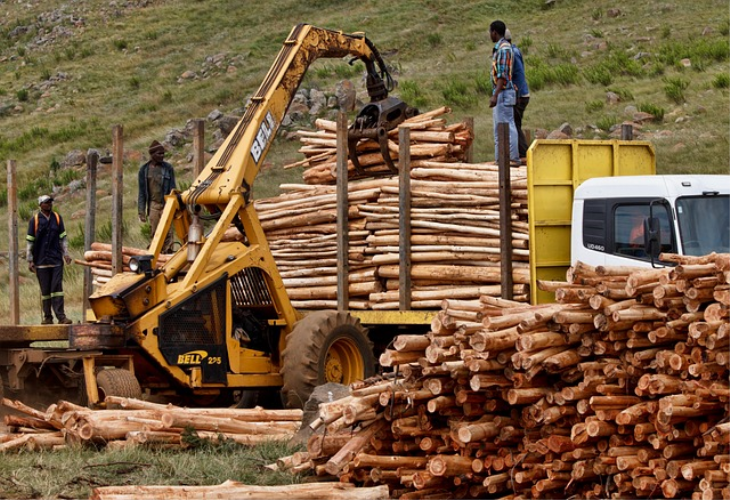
x,y
325,346
117,382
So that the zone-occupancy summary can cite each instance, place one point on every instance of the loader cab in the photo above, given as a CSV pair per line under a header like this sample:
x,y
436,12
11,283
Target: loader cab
x,y
630,220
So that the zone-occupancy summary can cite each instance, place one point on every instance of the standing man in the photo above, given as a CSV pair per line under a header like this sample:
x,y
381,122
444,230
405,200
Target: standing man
x,y
156,179
504,95
523,93
46,251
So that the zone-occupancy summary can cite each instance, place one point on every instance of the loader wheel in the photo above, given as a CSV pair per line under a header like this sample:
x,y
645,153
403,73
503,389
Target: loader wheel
x,y
117,382
325,346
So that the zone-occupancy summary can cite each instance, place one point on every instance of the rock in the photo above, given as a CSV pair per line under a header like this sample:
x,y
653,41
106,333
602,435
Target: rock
x,y
541,133
613,12
214,115
566,129
630,109
612,98
227,123
73,158
686,62
79,214
642,117
188,75
346,95
175,138
317,100
556,134
322,394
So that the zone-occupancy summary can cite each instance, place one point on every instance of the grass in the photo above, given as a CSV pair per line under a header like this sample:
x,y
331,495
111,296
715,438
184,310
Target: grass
x,y
74,472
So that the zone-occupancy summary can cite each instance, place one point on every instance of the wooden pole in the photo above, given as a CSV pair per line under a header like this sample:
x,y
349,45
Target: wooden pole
x,y
404,221
92,158
627,132
198,147
469,153
13,266
117,191
343,206
505,211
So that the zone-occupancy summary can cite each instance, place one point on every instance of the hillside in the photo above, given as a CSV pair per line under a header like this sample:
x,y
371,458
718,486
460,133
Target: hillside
x,y
69,71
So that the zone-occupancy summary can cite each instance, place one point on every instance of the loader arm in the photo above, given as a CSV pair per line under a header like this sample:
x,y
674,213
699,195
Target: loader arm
x,y
204,296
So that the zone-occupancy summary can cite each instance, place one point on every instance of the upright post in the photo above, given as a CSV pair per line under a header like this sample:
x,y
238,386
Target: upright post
x,y
404,219
92,159
505,212
627,132
343,226
469,153
198,147
13,264
117,190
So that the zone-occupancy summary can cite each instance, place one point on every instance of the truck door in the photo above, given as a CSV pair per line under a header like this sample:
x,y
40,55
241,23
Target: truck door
x,y
613,231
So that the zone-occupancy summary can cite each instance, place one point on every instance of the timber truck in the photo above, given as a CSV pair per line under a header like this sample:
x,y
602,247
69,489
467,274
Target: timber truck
x,y
214,325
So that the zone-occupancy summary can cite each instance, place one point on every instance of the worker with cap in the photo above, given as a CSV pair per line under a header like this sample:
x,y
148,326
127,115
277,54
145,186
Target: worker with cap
x,y
523,93
156,179
47,250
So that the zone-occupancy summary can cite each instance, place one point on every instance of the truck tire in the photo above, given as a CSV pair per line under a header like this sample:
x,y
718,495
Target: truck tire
x,y
325,346
117,382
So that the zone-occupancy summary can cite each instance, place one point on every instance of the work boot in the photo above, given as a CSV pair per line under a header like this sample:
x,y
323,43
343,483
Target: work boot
x,y
47,321
64,321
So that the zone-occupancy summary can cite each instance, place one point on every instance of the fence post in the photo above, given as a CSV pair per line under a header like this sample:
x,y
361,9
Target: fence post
x,y
117,191
13,264
505,212
92,159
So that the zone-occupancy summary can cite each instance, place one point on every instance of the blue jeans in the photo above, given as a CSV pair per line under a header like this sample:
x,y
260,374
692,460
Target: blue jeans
x,y
502,113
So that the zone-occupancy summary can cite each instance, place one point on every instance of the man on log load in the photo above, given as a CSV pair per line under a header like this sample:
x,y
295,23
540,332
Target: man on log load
x,y
46,251
523,94
504,94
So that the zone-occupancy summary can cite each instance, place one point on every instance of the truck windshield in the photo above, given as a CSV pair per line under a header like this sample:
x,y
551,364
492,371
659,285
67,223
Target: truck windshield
x,y
704,224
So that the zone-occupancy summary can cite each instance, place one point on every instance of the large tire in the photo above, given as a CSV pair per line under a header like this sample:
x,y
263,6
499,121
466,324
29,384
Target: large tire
x,y
117,382
325,346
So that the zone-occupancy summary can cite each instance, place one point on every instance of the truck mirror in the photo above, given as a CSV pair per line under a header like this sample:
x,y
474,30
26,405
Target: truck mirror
x,y
653,237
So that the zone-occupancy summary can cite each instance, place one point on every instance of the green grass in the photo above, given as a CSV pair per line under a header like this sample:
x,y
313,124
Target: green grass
x,y
127,71
74,472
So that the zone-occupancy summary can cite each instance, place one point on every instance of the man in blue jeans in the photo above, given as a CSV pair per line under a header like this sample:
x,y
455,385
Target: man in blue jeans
x,y
504,95
523,93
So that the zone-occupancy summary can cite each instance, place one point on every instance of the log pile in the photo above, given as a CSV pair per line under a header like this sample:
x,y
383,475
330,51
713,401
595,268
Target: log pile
x,y
99,259
454,216
141,423
620,390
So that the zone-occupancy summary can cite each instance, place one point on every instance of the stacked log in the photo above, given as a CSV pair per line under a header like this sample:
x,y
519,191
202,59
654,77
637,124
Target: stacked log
x,y
619,390
455,242
99,259
431,138
142,423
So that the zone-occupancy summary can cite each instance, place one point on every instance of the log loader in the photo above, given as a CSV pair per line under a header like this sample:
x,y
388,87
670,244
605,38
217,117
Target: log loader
x,y
215,321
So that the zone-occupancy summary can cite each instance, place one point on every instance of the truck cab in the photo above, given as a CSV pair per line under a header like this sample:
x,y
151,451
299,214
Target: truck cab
x,y
615,219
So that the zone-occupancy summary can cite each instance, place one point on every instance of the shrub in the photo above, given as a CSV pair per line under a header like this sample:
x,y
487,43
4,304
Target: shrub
x,y
593,106
654,110
120,45
22,95
433,39
76,239
721,81
674,88
605,122
598,74
624,94
411,93
596,14
457,93
3,197
134,83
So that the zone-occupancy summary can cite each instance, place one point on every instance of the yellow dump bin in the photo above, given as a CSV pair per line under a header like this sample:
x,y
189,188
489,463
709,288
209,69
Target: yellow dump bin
x,y
555,168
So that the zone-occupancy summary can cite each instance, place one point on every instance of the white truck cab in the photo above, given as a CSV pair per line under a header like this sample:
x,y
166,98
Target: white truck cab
x,y
618,220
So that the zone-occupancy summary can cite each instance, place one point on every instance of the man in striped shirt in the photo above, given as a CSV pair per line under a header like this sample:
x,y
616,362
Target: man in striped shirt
x,y
504,95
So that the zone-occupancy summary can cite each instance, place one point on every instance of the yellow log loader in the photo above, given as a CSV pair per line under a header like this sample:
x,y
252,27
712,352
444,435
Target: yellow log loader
x,y
214,323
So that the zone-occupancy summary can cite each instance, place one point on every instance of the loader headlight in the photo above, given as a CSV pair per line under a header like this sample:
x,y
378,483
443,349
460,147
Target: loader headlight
x,y
141,264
